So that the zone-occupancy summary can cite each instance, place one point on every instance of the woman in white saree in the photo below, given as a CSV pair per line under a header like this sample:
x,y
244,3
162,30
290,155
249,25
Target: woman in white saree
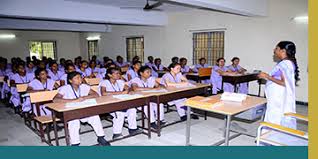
x,y
280,86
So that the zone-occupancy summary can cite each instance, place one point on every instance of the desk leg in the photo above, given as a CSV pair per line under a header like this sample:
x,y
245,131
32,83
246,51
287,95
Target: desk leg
x,y
188,126
142,116
235,88
227,132
148,120
55,128
222,85
67,135
224,130
158,117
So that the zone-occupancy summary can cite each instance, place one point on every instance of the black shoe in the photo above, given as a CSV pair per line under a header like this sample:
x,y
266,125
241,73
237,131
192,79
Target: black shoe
x,y
162,123
195,117
75,144
134,131
183,118
102,142
117,136
154,125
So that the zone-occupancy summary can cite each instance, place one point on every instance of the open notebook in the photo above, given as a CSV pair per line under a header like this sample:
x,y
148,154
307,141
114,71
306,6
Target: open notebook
x,y
233,97
127,96
85,103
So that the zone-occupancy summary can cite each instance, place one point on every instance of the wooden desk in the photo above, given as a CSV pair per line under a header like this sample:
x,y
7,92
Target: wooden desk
x,y
240,78
215,105
105,104
196,77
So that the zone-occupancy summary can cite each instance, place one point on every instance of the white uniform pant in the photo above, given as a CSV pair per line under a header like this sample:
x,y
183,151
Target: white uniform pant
x,y
179,103
74,127
119,118
154,112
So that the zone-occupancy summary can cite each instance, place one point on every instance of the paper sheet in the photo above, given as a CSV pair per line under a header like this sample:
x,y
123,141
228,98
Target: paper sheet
x,y
155,91
127,96
185,86
234,97
87,102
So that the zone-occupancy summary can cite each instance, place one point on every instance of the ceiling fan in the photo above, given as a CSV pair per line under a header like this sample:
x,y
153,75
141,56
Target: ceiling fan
x,y
148,6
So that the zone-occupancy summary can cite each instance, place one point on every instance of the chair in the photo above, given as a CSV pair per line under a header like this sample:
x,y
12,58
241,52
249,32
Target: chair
x,y
277,135
204,72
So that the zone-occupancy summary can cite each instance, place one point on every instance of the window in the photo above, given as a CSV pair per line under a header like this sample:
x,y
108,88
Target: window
x,y
209,45
135,47
43,48
92,48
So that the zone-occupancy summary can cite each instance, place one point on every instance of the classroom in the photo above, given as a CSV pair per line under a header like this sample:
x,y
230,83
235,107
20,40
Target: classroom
x,y
154,73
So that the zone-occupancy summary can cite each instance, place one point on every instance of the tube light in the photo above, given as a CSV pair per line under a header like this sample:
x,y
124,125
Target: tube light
x,y
7,36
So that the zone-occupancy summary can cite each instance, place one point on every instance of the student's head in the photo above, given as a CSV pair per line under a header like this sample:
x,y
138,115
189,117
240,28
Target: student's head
x,y
105,58
135,58
119,59
287,50
220,62
30,64
157,61
92,64
175,68
183,61
84,64
28,58
202,61
113,73
109,61
150,58
144,71
34,58
69,68
53,66
42,64
20,69
109,65
175,59
41,74
77,61
68,62
62,61
235,61
94,57
136,65
74,78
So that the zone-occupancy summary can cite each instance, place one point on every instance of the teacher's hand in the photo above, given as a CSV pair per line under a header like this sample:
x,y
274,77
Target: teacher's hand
x,y
263,75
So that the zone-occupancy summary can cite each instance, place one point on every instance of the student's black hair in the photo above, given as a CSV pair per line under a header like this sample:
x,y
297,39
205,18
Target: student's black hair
x,y
91,61
174,58
119,57
290,48
150,57
182,59
172,65
157,59
52,63
235,58
38,71
83,61
29,62
143,69
71,75
202,58
111,70
68,65
136,62
109,64
219,59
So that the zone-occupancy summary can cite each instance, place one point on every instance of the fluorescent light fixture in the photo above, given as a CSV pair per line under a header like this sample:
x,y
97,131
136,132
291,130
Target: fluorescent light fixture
x,y
7,36
301,19
93,38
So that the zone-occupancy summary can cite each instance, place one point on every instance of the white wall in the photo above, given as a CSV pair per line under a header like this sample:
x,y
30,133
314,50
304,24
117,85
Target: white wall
x,y
250,38
68,43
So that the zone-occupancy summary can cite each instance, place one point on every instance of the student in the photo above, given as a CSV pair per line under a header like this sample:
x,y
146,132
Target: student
x,y
53,72
236,68
216,77
184,68
113,85
19,78
6,73
135,58
120,62
83,69
68,68
280,86
77,62
150,61
174,60
94,58
62,65
30,68
157,66
93,70
75,89
41,82
175,78
132,73
146,82
202,64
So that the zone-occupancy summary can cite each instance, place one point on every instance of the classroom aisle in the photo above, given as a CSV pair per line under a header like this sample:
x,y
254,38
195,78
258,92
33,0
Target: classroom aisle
x,y
13,132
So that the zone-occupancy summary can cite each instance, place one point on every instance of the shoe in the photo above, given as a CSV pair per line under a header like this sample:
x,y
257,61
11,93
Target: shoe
x,y
154,125
183,118
117,136
102,142
162,122
75,144
195,117
133,132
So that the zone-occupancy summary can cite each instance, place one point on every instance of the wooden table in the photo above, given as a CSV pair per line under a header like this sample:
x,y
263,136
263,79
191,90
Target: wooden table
x,y
105,104
196,77
215,105
239,78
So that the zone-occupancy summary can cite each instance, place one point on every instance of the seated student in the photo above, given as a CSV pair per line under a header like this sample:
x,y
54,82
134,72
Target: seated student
x,y
201,64
40,83
114,85
174,60
236,68
62,64
94,58
75,89
18,78
68,68
83,69
30,68
6,73
103,71
132,73
157,66
216,77
146,82
175,78
150,61
92,69
120,62
53,72
184,68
